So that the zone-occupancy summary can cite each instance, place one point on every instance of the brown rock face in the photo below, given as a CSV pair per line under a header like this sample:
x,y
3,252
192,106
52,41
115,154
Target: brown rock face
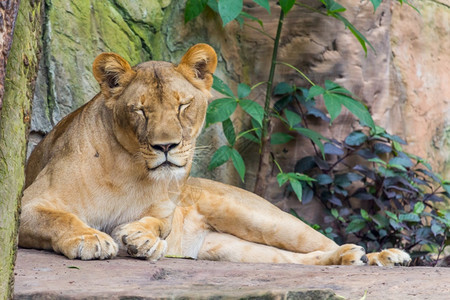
x,y
8,13
418,106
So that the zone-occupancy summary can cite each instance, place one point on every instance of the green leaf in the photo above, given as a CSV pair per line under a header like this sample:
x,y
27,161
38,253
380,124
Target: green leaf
x,y
73,267
380,220
395,224
286,5
394,138
229,10
336,88
263,3
278,138
228,130
355,138
221,87
409,218
253,109
313,136
334,213
437,229
250,137
365,215
315,91
391,215
361,38
397,166
332,104
446,187
375,4
292,118
238,163
213,5
219,110
297,187
418,208
221,156
377,160
402,161
258,126
193,9
358,109
355,225
324,179
283,88
282,178
301,177
333,7
243,90
246,15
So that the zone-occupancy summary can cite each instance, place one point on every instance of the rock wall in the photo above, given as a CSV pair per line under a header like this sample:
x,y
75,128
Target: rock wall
x,y
418,106
404,83
21,71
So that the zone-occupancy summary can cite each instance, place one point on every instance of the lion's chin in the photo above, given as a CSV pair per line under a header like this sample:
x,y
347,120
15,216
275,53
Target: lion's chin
x,y
167,171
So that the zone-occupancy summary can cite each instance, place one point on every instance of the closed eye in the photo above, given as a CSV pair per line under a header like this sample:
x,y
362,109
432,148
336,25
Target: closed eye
x,y
182,107
140,112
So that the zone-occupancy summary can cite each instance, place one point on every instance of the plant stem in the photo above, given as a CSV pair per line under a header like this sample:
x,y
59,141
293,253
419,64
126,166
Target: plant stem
x,y
310,8
259,30
278,165
263,168
298,71
272,72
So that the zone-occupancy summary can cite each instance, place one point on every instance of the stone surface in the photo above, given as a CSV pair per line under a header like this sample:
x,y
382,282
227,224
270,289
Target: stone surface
x,y
21,73
8,14
418,106
45,275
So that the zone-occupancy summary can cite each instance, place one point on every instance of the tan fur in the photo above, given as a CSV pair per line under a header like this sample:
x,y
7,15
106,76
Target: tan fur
x,y
115,172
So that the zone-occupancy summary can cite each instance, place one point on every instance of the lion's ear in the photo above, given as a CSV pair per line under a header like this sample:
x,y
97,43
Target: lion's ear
x,y
112,72
198,65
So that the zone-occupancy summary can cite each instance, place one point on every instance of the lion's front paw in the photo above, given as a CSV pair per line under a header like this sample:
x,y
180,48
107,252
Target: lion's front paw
x,y
140,243
90,244
389,257
350,254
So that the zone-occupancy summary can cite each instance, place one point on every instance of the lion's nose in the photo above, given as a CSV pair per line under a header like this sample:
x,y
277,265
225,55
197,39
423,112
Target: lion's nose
x,y
164,147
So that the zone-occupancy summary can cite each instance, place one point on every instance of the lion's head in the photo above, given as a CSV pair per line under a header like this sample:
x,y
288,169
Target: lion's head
x,y
158,108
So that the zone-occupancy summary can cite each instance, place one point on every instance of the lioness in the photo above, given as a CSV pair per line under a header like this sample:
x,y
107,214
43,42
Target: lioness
x,y
116,171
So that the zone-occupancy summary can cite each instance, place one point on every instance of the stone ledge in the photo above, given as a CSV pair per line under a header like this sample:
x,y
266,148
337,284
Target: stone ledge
x,y
45,275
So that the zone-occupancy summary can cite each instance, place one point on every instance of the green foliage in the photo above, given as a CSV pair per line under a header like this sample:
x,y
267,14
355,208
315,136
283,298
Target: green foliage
x,y
286,5
229,10
389,199
375,3
220,109
400,195
194,8
336,96
263,3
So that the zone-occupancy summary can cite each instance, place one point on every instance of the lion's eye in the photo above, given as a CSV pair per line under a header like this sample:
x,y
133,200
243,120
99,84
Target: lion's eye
x,y
183,107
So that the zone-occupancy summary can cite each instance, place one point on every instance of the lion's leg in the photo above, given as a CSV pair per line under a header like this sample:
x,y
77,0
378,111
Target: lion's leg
x,y
243,214
50,228
221,246
389,257
145,238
